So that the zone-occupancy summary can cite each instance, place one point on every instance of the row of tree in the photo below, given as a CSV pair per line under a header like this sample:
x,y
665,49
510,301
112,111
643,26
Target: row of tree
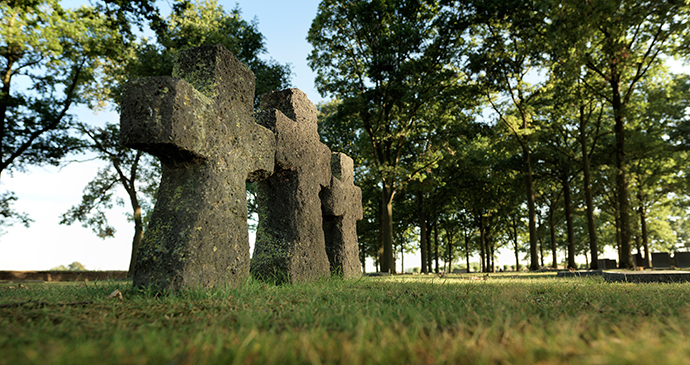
x,y
488,121
488,124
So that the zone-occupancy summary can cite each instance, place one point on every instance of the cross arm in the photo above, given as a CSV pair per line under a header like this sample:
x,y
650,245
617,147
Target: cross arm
x,y
165,116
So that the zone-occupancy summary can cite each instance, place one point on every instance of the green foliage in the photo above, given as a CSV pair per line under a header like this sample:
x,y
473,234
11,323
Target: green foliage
x,y
75,266
568,94
52,59
619,46
205,22
9,216
59,56
125,169
392,68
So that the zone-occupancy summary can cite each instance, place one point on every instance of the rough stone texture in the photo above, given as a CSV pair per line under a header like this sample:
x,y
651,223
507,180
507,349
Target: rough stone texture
x,y
660,276
200,125
341,204
290,244
661,259
682,259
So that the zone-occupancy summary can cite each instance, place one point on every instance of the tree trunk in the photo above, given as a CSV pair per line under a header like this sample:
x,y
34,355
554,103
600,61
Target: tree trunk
x,y
429,256
541,252
387,261
482,238
449,243
636,233
136,240
534,259
645,237
589,202
488,249
129,185
436,245
4,103
621,178
552,231
363,260
422,232
492,258
402,259
467,252
617,220
515,238
569,222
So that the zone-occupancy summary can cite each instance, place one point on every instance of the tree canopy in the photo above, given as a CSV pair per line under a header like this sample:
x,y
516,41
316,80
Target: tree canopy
x,y
393,66
52,59
561,92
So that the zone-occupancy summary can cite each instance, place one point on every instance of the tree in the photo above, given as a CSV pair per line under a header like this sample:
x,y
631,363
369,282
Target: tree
x,y
559,163
576,112
549,197
660,105
52,59
75,266
510,46
391,63
619,43
126,168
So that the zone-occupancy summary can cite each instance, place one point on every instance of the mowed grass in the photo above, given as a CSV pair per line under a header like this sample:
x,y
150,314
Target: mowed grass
x,y
395,320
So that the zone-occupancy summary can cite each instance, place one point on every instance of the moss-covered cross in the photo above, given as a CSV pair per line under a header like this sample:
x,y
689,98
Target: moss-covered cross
x,y
290,243
200,125
341,203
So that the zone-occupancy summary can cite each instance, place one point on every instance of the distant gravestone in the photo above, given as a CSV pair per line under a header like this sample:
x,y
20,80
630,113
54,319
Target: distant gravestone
x,y
648,276
607,264
682,259
341,203
661,259
290,244
200,125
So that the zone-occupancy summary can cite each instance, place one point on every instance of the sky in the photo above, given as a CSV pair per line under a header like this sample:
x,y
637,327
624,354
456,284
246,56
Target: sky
x,y
45,193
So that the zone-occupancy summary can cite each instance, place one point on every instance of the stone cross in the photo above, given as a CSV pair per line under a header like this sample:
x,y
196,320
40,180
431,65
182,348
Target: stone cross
x,y
290,245
342,208
200,124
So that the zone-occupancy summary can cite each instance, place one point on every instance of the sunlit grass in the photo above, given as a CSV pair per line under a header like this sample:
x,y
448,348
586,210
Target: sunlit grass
x,y
410,319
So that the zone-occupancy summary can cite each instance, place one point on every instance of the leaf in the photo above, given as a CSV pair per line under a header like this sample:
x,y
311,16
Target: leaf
x,y
116,294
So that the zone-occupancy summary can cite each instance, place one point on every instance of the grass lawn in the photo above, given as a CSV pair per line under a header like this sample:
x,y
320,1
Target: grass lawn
x,y
395,320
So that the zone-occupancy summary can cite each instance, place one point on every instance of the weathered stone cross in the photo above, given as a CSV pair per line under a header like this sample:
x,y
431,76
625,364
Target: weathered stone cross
x,y
290,245
342,208
200,125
